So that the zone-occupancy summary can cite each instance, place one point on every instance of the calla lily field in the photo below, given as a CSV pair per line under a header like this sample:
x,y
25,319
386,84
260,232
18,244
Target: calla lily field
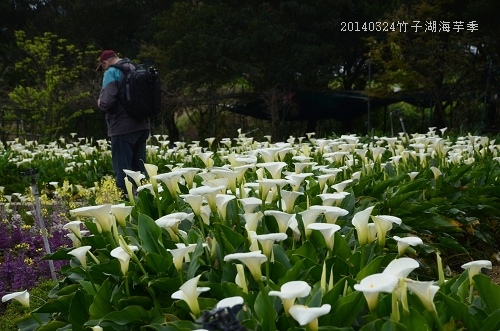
x,y
341,233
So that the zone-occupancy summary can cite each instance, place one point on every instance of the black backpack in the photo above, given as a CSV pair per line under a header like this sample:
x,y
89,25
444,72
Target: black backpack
x,y
142,90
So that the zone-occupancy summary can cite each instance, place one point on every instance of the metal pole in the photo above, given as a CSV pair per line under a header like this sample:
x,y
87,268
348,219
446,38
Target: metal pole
x,y
38,213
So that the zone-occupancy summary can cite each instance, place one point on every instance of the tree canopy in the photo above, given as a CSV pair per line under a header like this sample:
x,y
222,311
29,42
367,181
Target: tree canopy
x,y
219,52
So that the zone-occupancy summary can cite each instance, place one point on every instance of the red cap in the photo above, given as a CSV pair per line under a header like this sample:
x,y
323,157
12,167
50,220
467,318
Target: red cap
x,y
107,54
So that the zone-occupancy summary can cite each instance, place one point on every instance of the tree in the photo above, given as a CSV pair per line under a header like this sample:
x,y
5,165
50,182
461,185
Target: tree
x,y
445,64
50,83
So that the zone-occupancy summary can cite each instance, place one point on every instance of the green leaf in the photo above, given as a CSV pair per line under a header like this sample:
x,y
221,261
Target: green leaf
x,y
130,316
341,248
150,235
307,250
264,309
415,321
102,302
348,307
460,312
488,291
157,263
195,263
233,238
53,325
390,325
492,322
79,310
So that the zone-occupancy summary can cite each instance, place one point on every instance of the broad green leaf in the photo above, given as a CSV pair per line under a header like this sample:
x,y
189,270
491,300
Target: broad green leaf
x,y
79,309
150,235
390,325
307,250
102,302
195,263
158,263
130,316
488,291
349,307
415,321
460,312
492,322
264,309
53,325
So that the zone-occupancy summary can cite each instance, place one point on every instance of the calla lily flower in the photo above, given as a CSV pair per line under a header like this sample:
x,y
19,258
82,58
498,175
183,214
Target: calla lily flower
x,y
266,185
474,267
360,222
309,315
250,204
22,297
137,176
374,284
222,200
252,260
339,187
189,174
425,292
401,268
436,172
81,254
327,230
288,198
267,241
291,291
209,193
195,201
331,213
171,180
295,180
383,224
283,219
96,328
240,278
332,198
74,227
230,175
189,292
252,220
230,302
151,169
274,168
404,243
123,256
309,216
181,253
100,213
121,212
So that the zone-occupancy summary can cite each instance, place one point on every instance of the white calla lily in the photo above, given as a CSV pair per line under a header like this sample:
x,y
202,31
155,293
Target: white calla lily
x,y
383,224
123,256
22,297
290,291
252,260
374,284
81,254
309,315
405,242
189,293
360,222
425,292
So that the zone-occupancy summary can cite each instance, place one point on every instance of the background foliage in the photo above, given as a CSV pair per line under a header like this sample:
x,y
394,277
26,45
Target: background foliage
x,y
212,54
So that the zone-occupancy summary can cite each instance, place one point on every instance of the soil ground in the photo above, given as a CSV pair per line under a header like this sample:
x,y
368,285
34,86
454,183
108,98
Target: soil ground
x,y
494,273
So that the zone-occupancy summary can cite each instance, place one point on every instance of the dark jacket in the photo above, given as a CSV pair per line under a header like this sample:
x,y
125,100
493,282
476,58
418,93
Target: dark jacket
x,y
117,119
